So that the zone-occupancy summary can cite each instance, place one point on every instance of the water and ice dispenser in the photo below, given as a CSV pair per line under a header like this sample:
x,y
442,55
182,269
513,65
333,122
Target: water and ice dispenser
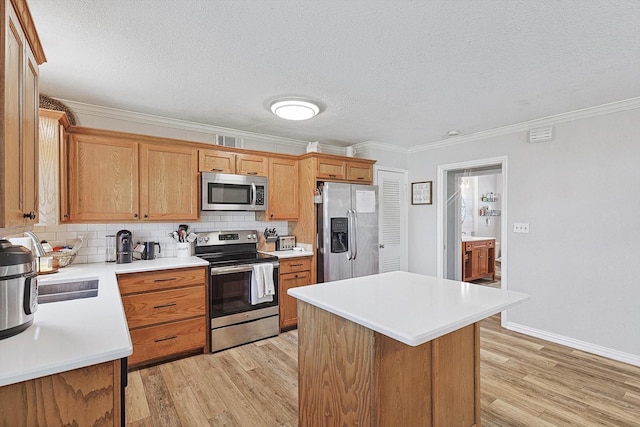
x,y
339,235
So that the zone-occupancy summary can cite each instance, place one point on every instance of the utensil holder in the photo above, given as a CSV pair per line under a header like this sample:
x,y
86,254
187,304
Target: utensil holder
x,y
183,250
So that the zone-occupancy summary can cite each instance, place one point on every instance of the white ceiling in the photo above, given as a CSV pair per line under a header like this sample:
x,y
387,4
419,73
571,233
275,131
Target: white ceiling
x,y
400,72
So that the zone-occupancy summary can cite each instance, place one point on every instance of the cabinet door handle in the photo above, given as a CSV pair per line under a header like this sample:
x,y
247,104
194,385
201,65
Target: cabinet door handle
x,y
146,216
135,215
332,176
166,339
216,170
252,173
164,305
164,280
360,177
30,215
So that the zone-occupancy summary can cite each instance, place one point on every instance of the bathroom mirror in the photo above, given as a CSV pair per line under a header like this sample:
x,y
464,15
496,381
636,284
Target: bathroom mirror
x,y
463,210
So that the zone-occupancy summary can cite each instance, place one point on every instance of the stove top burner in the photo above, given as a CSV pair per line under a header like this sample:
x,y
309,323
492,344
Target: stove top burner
x,y
226,248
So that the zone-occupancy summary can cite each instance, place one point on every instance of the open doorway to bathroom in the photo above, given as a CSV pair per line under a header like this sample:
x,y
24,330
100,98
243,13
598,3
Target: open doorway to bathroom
x,y
472,221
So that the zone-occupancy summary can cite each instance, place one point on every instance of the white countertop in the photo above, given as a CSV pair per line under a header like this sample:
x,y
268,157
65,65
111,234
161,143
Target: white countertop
x,y
408,307
73,334
476,238
288,254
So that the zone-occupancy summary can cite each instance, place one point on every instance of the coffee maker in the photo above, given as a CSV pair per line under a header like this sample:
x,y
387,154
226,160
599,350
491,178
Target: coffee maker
x,y
124,247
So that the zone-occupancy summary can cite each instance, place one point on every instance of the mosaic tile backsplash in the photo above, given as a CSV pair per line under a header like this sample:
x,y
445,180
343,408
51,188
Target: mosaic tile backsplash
x,y
95,246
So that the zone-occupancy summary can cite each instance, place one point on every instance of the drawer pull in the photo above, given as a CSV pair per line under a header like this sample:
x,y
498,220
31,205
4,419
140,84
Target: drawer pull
x,y
165,305
217,170
164,280
166,339
360,177
296,265
252,173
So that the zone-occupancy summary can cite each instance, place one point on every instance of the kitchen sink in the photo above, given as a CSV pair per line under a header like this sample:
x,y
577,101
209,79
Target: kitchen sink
x,y
53,292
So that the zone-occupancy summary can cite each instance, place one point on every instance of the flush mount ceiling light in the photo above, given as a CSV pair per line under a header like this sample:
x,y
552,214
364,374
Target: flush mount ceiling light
x,y
294,109
453,132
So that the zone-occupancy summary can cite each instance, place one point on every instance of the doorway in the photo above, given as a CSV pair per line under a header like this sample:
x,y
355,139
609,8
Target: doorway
x,y
472,197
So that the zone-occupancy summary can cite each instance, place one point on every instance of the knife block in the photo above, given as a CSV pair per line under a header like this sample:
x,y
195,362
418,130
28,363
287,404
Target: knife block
x,y
265,246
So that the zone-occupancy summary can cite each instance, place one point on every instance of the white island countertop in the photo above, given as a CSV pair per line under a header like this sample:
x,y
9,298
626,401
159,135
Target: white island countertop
x,y
408,307
73,334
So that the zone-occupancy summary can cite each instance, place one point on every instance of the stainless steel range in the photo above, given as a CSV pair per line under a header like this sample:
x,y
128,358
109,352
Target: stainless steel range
x,y
237,316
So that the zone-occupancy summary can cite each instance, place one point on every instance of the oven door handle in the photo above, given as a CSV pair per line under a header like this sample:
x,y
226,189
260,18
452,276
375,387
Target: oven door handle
x,y
217,271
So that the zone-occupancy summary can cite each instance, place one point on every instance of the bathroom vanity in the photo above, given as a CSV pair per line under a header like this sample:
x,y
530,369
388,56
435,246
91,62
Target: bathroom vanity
x,y
478,258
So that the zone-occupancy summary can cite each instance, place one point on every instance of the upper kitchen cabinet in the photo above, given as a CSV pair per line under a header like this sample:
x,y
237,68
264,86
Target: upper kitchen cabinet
x,y
213,160
283,189
21,56
102,179
116,177
168,182
251,164
53,168
338,168
216,161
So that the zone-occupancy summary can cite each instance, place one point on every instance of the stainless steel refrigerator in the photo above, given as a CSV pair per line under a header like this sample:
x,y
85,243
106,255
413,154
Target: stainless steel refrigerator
x,y
347,231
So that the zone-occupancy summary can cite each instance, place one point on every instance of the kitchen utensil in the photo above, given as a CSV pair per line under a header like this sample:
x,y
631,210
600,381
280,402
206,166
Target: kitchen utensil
x,y
150,250
192,237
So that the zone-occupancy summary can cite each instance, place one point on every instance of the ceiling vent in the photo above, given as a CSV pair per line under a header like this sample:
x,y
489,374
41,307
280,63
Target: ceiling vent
x,y
541,134
227,141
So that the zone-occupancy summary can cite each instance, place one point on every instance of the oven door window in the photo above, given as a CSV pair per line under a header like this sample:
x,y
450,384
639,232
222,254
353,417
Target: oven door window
x,y
231,294
230,194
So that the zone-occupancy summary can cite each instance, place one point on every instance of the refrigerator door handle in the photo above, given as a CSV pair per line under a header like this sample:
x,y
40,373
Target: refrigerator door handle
x,y
354,215
350,235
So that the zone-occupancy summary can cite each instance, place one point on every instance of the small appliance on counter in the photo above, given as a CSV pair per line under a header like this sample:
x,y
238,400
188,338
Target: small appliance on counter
x,y
18,289
149,250
285,243
124,247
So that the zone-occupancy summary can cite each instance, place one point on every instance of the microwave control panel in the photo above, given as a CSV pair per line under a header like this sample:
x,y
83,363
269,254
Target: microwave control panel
x,y
259,195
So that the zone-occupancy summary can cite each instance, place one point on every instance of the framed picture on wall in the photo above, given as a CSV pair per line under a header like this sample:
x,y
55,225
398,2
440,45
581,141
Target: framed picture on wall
x,y
421,193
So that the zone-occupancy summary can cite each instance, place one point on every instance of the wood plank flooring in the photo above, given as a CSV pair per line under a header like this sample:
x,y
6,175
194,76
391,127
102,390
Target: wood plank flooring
x,y
525,382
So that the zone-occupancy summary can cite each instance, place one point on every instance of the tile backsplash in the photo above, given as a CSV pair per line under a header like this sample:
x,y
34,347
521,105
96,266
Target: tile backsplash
x,y
94,246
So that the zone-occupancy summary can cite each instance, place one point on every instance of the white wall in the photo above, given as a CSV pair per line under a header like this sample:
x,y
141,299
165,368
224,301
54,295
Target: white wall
x,y
581,260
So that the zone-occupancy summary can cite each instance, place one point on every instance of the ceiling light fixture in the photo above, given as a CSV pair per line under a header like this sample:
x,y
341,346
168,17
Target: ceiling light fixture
x,y
294,109
453,133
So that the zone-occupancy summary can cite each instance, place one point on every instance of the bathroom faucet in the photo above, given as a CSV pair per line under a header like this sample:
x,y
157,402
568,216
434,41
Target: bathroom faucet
x,y
39,250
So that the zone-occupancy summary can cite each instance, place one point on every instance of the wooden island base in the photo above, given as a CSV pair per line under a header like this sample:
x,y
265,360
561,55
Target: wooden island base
x,y
351,375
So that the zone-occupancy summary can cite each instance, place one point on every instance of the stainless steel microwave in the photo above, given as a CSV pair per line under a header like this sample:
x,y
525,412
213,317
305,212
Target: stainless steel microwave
x,y
228,192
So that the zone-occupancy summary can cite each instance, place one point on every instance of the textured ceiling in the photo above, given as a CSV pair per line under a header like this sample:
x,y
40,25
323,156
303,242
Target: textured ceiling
x,y
400,72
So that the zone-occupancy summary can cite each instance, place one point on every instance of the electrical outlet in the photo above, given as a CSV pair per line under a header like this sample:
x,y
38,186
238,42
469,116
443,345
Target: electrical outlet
x,y
521,227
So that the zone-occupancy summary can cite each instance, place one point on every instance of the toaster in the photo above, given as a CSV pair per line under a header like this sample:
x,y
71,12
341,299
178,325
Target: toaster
x,y
285,243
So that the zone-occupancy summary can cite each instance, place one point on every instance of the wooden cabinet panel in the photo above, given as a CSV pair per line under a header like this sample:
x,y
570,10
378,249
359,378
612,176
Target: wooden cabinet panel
x,y
103,179
168,183
361,172
250,164
283,189
163,306
167,312
83,397
331,168
294,272
294,265
162,341
160,280
19,121
216,161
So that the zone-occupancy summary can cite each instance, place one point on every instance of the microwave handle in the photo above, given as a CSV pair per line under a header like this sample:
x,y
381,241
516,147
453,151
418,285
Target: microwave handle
x,y
253,194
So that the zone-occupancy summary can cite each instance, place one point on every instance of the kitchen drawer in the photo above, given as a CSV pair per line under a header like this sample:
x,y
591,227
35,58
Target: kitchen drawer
x,y
295,264
161,279
164,306
157,342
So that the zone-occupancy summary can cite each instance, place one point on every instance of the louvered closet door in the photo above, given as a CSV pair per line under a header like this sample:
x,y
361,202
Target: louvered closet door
x,y
392,224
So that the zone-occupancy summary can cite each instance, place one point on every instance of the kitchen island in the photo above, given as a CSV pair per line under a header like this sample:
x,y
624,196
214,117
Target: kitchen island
x,y
392,349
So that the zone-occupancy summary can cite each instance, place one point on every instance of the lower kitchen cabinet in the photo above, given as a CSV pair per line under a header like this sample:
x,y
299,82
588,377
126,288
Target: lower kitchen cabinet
x,y
478,259
294,272
167,313
89,396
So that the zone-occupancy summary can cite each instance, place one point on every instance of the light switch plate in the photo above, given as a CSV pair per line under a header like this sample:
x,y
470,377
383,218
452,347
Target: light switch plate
x,y
521,227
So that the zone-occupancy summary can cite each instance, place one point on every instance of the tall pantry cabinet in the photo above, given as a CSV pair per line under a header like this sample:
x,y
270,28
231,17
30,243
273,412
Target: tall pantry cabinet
x,y
20,56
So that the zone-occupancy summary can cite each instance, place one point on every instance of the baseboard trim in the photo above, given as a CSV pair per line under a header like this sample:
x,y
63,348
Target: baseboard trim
x,y
620,356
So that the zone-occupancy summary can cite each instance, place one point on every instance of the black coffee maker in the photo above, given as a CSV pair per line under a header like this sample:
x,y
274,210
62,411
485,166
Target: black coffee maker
x,y
124,247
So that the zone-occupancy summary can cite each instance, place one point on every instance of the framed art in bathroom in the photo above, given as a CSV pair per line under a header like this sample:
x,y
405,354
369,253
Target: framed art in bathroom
x,y
421,193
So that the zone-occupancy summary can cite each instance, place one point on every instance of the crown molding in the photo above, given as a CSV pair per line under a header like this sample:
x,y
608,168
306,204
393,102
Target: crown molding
x,y
167,122
380,146
613,107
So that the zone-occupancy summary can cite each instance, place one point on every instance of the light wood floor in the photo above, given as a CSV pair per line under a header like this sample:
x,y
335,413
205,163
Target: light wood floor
x,y
525,382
